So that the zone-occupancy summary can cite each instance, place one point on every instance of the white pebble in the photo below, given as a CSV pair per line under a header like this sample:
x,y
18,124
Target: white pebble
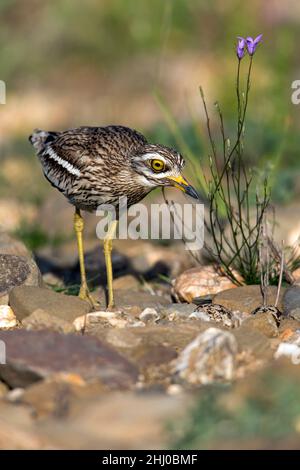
x,y
290,350
15,394
149,314
198,315
174,389
94,317
7,317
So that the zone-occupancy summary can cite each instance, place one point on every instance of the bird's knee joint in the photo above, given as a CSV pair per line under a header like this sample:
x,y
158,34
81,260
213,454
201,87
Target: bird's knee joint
x,y
78,223
107,246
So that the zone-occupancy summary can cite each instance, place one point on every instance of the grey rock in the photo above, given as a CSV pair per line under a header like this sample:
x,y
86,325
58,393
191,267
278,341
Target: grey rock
x,y
16,271
295,314
291,302
25,300
35,355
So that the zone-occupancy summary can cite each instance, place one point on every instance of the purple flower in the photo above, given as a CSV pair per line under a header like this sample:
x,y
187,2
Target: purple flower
x,y
252,44
240,48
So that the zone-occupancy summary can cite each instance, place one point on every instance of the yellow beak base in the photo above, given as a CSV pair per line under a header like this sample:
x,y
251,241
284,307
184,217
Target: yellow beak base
x,y
182,184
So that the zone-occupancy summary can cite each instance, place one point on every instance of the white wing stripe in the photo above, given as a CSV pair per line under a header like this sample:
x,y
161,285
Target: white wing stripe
x,y
65,164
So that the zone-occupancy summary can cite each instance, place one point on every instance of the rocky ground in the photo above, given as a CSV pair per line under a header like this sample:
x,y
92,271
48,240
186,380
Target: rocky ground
x,y
77,378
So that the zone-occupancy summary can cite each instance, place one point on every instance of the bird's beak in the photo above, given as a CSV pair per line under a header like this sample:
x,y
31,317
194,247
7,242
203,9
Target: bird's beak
x,y
181,183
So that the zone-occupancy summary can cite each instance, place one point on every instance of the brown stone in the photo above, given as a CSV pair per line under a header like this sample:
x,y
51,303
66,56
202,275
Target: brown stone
x,y
127,282
17,431
247,298
287,323
127,299
130,420
253,341
151,345
35,355
197,282
4,299
41,320
3,389
25,300
59,397
296,275
286,334
263,322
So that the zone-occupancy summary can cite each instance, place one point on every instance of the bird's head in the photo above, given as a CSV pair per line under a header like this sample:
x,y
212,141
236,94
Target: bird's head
x,y
156,165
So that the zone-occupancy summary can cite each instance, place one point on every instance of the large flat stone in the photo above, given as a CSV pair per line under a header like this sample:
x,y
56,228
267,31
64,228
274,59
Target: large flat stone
x,y
150,345
247,298
25,300
126,298
41,320
35,355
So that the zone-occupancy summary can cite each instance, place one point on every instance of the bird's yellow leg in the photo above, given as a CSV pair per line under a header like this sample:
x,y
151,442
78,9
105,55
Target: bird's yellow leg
x,y
107,245
78,227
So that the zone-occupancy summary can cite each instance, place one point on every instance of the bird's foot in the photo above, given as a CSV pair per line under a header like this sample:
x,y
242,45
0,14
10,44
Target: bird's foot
x,y
112,308
85,294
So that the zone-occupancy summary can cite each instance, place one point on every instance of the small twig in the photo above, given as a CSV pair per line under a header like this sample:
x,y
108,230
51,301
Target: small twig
x,y
280,275
276,253
264,261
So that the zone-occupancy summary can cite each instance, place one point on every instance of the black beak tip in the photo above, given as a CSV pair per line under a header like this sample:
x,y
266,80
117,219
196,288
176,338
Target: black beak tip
x,y
192,192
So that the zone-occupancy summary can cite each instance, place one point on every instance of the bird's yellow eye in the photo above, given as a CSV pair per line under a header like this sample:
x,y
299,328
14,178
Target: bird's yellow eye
x,y
157,165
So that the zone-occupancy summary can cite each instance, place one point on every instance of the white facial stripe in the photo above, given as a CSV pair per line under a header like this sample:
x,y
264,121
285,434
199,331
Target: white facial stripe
x,y
146,182
162,175
153,155
180,160
64,163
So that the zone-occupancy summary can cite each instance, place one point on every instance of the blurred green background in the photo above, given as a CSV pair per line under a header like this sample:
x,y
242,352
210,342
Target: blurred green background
x,y
68,63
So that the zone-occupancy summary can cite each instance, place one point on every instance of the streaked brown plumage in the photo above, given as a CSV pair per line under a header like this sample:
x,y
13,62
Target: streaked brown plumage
x,y
106,158
96,165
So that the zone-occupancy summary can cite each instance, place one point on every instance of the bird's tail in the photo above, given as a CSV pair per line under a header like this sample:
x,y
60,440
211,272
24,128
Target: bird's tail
x,y
40,138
